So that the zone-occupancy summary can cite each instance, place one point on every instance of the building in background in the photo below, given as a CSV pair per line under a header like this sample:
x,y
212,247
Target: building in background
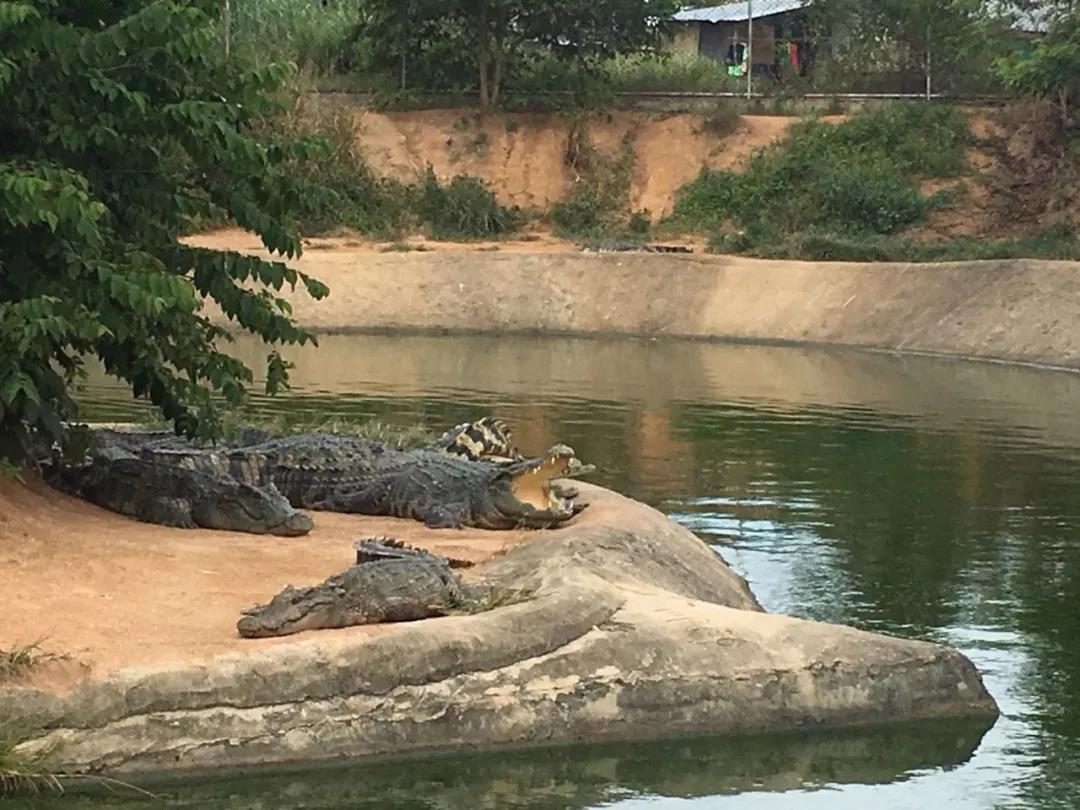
x,y
721,33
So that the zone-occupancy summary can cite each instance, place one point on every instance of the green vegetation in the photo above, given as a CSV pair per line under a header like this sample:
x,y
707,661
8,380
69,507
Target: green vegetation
x,y
824,245
1052,69
680,72
21,770
121,125
484,43
355,197
597,206
856,178
465,208
307,32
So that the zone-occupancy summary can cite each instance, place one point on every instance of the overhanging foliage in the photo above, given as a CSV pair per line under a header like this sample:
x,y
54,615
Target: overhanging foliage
x,y
121,125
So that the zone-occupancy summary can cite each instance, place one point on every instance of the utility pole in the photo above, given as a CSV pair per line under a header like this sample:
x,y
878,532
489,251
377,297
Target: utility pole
x,y
749,48
227,21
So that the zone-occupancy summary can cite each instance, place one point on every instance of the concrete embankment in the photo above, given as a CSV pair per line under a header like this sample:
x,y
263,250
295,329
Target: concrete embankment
x,y
1019,310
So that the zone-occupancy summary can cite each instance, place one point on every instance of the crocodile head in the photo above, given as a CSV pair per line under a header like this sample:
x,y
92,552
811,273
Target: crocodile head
x,y
244,508
522,493
293,610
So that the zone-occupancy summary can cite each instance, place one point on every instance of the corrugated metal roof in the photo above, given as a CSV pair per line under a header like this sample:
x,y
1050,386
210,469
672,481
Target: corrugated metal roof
x,y
738,12
1033,21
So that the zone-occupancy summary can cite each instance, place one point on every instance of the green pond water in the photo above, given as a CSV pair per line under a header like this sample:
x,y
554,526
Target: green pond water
x,y
925,498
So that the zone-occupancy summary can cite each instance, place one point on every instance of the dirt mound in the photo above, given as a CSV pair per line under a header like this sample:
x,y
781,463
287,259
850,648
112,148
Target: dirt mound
x,y
109,592
522,156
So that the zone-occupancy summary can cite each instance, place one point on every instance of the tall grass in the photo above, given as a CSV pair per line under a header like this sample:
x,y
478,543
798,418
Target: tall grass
x,y
22,770
306,32
683,72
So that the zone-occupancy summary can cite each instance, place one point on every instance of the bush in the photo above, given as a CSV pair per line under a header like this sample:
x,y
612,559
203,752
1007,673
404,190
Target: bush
x,y
354,196
586,213
465,209
676,72
859,177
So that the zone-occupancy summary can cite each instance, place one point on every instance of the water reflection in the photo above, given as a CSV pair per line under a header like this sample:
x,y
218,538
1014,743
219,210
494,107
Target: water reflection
x,y
925,498
581,776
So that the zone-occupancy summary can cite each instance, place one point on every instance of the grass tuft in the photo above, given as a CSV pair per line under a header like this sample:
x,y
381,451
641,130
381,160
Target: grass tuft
x,y
24,769
22,658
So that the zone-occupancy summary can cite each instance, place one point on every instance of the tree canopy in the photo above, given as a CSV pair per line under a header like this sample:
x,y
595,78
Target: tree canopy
x,y
122,125
495,36
1052,68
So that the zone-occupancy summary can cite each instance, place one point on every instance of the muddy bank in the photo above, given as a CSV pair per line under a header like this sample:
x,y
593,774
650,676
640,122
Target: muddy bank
x,y
1020,310
630,627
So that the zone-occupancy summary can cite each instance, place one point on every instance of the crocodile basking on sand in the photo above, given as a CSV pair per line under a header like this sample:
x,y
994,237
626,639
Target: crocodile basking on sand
x,y
390,583
470,476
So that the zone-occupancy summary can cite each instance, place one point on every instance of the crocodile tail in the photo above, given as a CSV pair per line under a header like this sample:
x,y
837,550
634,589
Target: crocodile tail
x,y
486,439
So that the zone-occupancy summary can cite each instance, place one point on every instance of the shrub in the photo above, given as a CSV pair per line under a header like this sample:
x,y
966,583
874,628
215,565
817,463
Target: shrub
x,y
354,196
858,177
465,208
585,213
658,72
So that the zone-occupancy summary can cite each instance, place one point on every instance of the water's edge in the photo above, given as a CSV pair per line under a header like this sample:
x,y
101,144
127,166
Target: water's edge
x,y
1017,310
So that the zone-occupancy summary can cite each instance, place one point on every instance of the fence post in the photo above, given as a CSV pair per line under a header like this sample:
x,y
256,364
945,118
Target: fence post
x,y
749,48
928,63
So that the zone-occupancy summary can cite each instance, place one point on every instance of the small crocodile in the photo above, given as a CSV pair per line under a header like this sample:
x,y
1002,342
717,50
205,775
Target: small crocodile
x,y
394,584
472,475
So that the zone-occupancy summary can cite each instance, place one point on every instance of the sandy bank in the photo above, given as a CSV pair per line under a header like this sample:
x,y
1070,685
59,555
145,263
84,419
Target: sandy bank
x,y
629,627
1021,310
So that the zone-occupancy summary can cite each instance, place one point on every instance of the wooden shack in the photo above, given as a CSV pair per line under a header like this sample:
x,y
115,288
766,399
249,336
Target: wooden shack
x,y
721,32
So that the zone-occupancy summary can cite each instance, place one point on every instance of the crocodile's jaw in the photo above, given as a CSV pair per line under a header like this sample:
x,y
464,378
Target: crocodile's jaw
x,y
533,486
526,498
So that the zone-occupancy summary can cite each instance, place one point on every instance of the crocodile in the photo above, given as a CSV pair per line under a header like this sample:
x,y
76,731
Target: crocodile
x,y
392,583
445,492
147,490
472,475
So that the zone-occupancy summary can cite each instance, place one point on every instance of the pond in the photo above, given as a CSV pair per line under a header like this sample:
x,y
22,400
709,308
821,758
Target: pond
x,y
925,498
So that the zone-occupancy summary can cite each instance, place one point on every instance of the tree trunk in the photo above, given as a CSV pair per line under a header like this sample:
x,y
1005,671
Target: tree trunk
x,y
496,77
483,55
483,60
